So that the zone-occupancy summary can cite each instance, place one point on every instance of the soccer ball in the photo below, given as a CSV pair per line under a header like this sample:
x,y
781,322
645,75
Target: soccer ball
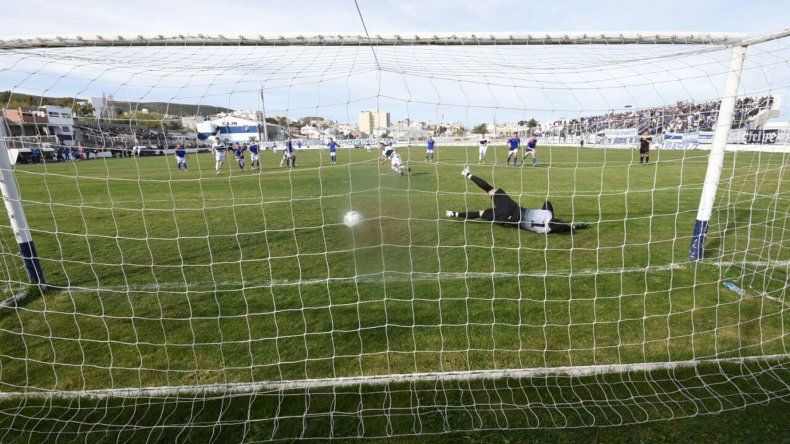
x,y
352,218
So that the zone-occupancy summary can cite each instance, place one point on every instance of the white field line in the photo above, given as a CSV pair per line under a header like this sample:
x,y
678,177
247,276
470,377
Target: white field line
x,y
405,276
389,276
242,388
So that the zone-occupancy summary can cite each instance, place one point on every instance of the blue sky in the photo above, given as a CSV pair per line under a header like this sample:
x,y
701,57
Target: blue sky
x,y
39,17
478,98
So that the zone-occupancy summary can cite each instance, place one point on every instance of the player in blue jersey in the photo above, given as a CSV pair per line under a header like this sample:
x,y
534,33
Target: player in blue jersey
x,y
238,153
529,150
299,145
181,157
512,148
289,155
429,149
255,163
506,212
332,146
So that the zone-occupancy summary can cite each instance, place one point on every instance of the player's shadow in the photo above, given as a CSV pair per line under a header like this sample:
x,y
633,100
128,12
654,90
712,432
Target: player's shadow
x,y
712,247
737,221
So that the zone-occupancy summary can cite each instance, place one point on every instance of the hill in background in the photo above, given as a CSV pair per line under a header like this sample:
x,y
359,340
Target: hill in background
x,y
18,100
176,109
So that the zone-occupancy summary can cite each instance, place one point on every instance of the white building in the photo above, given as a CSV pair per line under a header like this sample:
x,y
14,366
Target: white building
x,y
506,129
60,123
102,107
235,129
345,128
310,132
190,122
374,122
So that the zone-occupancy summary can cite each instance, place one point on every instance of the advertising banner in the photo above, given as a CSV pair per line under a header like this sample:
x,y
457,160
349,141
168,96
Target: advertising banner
x,y
680,141
620,136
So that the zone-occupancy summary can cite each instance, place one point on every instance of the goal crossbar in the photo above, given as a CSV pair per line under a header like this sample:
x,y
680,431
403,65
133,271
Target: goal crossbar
x,y
418,39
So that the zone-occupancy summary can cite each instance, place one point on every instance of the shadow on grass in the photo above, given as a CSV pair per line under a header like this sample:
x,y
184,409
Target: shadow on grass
x,y
24,298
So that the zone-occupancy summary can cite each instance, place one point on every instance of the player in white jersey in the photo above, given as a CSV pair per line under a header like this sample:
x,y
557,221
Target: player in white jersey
x,y
219,150
482,148
397,164
507,212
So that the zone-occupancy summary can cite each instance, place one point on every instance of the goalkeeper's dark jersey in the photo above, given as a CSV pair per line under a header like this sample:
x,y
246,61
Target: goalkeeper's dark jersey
x,y
644,143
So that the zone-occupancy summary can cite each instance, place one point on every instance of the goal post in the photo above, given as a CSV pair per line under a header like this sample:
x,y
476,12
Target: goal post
x,y
16,214
203,287
716,155
720,139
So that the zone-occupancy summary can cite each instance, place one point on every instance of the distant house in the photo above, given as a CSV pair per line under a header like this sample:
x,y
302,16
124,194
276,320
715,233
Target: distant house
x,y
60,123
50,123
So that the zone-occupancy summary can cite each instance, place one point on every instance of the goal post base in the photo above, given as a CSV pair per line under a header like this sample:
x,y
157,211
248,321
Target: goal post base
x,y
32,265
697,249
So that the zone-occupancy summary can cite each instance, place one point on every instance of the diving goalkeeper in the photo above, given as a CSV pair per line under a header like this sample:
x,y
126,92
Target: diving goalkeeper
x,y
507,212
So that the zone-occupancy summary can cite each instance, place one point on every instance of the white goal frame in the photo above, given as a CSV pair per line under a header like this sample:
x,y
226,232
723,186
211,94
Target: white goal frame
x,y
423,39
738,42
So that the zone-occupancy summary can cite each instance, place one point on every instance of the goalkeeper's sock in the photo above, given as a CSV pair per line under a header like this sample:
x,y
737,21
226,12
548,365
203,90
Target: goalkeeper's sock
x,y
480,183
647,159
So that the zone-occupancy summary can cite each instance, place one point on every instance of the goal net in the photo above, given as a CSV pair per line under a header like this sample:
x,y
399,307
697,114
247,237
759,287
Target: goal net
x,y
203,300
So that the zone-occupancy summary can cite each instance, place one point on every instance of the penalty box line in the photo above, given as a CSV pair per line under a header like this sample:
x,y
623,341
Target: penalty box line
x,y
244,388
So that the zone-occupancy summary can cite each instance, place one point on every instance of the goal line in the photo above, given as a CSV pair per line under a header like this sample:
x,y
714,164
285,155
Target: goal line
x,y
409,276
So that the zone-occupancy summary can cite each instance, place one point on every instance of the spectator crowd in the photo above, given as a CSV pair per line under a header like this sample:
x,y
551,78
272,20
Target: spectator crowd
x,y
680,117
117,135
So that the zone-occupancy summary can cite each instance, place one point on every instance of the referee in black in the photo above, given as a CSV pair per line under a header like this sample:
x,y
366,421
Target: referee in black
x,y
644,148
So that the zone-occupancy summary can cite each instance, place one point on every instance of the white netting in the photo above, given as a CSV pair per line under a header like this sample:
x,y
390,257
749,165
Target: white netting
x,y
192,304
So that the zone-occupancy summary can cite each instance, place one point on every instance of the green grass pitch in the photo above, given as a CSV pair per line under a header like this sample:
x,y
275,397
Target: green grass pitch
x,y
162,278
